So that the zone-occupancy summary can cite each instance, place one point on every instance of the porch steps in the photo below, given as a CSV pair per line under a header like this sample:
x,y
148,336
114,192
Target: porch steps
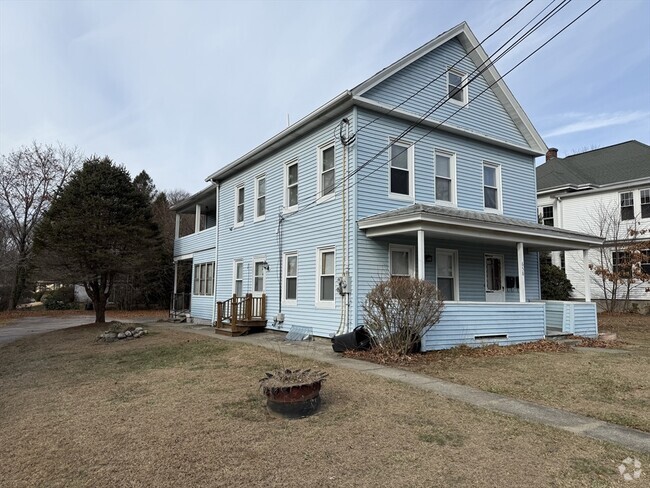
x,y
563,338
243,327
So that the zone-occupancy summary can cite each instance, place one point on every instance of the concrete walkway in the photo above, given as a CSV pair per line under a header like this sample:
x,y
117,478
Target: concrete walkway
x,y
321,350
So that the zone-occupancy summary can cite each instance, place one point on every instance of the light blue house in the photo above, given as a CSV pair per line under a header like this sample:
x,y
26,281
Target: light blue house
x,y
421,170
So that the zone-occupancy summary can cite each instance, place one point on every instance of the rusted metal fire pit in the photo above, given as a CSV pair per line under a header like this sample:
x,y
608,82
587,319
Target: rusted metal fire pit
x,y
292,393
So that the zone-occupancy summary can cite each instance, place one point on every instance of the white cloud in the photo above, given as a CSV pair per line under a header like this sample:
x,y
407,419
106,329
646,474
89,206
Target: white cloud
x,y
598,121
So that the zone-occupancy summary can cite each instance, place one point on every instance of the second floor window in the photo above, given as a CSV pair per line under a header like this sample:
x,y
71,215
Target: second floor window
x,y
239,205
260,198
491,186
401,169
291,186
627,206
645,204
547,216
445,170
326,171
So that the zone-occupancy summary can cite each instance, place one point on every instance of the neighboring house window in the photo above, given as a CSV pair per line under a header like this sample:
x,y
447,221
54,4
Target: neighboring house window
x,y
445,176
325,283
562,260
446,273
204,279
258,276
547,216
455,89
291,277
326,171
645,204
545,259
260,198
291,186
401,169
491,186
621,263
645,261
627,206
401,260
239,205
238,278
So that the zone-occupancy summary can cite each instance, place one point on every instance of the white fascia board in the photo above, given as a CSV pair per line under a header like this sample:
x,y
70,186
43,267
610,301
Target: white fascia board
x,y
325,112
624,185
183,257
446,126
191,201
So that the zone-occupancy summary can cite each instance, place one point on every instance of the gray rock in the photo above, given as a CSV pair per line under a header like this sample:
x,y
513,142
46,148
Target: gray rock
x,y
138,329
145,331
110,335
121,335
128,333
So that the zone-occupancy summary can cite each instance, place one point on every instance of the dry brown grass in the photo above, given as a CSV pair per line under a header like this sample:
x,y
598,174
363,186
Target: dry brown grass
x,y
609,386
173,409
9,317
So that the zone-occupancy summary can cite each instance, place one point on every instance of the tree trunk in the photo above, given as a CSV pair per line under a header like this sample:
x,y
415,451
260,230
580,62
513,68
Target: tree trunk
x,y
19,282
100,309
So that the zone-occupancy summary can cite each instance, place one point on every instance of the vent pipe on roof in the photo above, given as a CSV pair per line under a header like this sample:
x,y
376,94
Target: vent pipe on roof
x,y
551,153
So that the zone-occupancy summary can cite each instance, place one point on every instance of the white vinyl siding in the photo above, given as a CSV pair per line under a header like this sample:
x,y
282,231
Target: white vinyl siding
x,y
326,264
445,166
260,198
326,172
204,279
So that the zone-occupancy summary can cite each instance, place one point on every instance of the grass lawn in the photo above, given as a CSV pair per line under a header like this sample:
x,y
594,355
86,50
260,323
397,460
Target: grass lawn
x,y
611,387
9,317
174,409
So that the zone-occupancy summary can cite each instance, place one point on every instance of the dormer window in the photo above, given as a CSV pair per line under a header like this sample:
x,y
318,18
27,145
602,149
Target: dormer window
x,y
455,89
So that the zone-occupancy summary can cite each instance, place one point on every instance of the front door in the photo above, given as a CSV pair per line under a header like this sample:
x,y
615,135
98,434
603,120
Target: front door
x,y
495,286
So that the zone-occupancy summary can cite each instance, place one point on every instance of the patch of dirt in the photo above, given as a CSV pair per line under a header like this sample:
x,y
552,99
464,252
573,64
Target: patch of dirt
x,y
8,317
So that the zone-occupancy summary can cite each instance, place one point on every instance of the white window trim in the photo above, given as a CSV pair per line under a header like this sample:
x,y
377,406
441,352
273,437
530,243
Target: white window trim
x,y
641,217
324,303
464,91
319,172
401,247
285,257
234,275
237,203
259,218
257,260
452,171
410,154
285,189
634,199
499,187
209,284
454,253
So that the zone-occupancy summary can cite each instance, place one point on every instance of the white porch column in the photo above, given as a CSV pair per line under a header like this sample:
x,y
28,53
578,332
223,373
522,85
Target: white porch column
x,y
585,260
421,254
197,218
177,230
175,276
522,271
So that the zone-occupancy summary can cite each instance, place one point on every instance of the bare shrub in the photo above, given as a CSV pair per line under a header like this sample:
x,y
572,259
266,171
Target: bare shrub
x,y
399,311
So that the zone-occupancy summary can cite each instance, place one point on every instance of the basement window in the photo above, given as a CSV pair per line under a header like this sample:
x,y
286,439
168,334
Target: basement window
x,y
491,337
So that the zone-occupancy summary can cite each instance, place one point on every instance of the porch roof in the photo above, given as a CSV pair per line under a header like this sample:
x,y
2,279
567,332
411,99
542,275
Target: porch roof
x,y
454,223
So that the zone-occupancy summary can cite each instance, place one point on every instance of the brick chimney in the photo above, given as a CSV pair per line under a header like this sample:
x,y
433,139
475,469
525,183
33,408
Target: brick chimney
x,y
551,153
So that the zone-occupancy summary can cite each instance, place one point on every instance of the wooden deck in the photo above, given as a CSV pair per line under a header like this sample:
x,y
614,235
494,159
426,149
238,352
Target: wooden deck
x,y
241,315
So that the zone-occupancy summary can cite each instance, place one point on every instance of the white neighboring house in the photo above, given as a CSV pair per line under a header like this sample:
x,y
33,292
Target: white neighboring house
x,y
603,192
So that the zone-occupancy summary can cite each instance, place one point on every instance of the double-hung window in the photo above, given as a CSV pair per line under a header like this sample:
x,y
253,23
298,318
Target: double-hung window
x,y
291,186
239,206
325,284
290,289
259,276
204,279
401,260
622,264
446,273
492,187
238,278
401,170
445,176
547,216
326,171
457,87
260,198
645,203
627,205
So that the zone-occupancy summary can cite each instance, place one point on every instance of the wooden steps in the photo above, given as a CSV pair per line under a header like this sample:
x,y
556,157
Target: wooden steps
x,y
243,327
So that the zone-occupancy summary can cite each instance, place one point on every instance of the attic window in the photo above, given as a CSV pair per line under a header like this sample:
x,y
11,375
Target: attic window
x,y
455,89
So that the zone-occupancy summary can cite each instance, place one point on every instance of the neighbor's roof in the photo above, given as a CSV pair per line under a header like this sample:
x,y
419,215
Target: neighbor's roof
x,y
453,221
348,98
622,162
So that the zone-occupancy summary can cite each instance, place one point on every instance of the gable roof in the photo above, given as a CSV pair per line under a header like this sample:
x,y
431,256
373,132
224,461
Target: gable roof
x,y
348,98
626,161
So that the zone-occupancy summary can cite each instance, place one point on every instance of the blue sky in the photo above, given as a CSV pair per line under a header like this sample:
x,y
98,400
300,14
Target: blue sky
x,y
182,88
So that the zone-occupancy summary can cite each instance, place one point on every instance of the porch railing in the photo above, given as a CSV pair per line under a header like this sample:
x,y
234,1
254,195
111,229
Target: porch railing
x,y
180,304
241,309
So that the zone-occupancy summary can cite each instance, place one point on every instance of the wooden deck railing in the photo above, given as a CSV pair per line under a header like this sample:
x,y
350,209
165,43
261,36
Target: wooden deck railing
x,y
241,309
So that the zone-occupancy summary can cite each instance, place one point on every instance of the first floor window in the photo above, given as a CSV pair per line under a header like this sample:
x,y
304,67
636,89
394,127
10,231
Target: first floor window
x,y
491,185
291,277
204,279
239,205
621,263
258,277
446,273
645,261
401,166
627,206
401,261
326,265
547,216
238,279
645,204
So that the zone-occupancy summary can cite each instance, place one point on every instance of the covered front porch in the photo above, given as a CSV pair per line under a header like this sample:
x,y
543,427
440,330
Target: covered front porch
x,y
487,268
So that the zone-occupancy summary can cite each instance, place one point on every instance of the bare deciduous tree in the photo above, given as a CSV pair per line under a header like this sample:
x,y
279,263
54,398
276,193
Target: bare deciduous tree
x,y
29,178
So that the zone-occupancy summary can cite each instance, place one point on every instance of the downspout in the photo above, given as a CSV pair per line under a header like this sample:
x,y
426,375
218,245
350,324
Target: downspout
x,y
354,283
216,255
